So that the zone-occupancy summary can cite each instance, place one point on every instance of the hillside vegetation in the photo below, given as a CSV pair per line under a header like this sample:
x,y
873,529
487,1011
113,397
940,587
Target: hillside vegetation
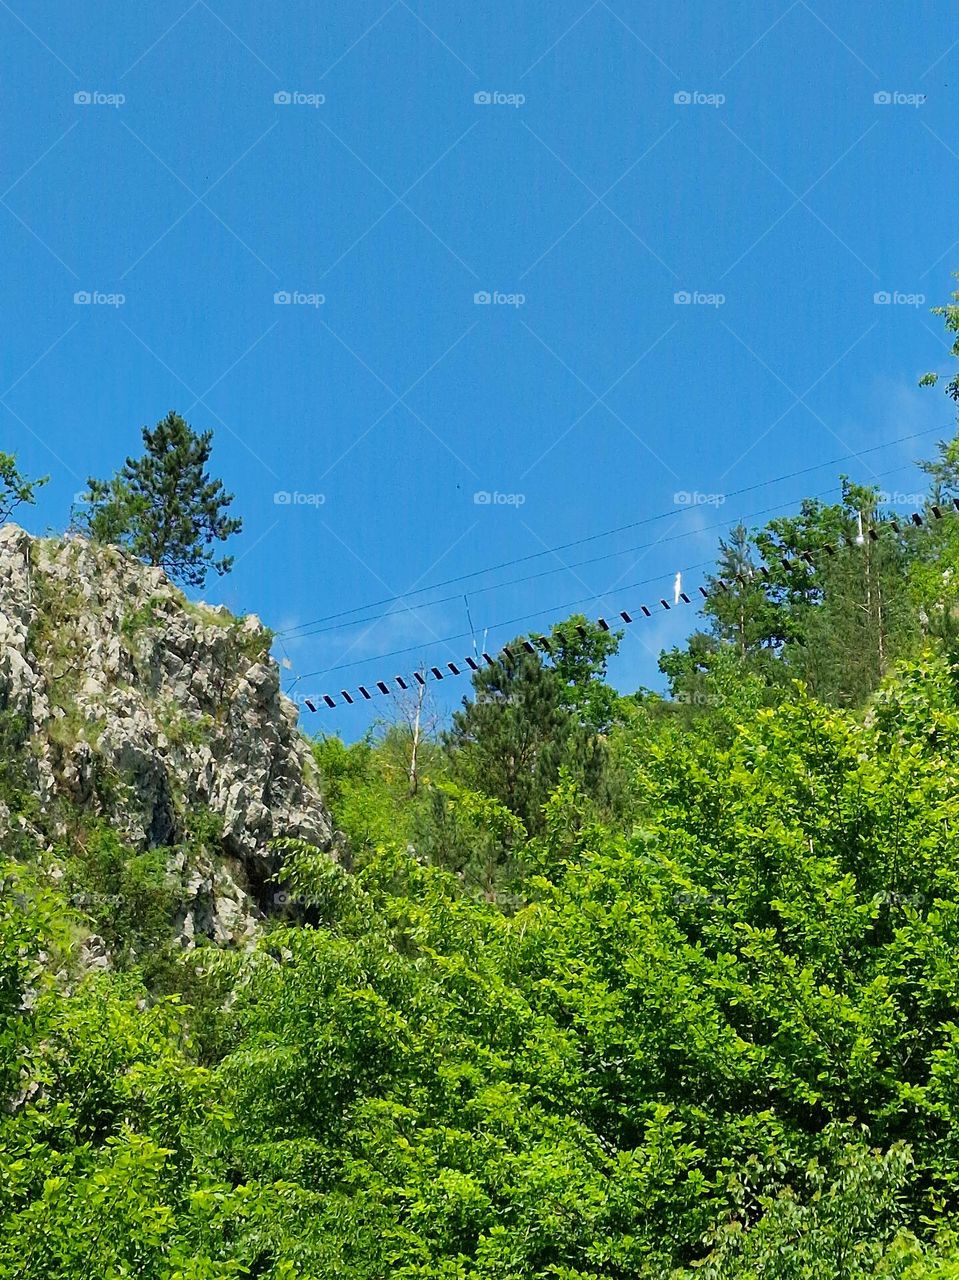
x,y
584,986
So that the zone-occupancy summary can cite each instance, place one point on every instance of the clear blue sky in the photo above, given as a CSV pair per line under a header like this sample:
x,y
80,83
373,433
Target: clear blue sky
x,y
583,186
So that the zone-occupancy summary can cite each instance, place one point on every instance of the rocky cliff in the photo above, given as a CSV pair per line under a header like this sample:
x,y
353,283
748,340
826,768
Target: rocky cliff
x,y
124,703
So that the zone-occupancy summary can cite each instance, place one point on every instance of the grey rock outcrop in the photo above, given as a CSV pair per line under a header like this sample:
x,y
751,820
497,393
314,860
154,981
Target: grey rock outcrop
x,y
142,708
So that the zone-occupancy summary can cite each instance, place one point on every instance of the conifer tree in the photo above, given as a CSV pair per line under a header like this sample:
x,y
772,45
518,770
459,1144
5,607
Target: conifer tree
x,y
529,718
164,505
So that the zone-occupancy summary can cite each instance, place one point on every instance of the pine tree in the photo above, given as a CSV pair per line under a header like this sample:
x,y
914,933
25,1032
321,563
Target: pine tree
x,y
164,506
529,718
743,613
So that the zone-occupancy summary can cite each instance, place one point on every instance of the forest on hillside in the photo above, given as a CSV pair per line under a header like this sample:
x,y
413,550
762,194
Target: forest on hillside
x,y
604,986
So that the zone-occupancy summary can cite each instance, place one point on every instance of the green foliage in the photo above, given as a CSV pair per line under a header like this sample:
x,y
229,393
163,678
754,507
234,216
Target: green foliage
x,y
362,792
253,642
182,728
608,988
15,781
471,833
164,506
528,719
836,619
32,925
689,1045
111,511
130,896
713,691
950,316
719,1039
15,488
848,1223
143,618
54,634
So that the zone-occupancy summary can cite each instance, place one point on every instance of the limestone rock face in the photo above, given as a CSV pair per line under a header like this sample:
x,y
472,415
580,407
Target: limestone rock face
x,y
146,710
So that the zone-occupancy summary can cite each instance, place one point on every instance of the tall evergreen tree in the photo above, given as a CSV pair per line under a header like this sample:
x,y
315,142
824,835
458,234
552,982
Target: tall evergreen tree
x,y
744,614
164,505
529,718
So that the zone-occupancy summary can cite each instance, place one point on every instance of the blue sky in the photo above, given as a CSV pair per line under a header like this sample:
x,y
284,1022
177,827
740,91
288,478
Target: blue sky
x,y
382,164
